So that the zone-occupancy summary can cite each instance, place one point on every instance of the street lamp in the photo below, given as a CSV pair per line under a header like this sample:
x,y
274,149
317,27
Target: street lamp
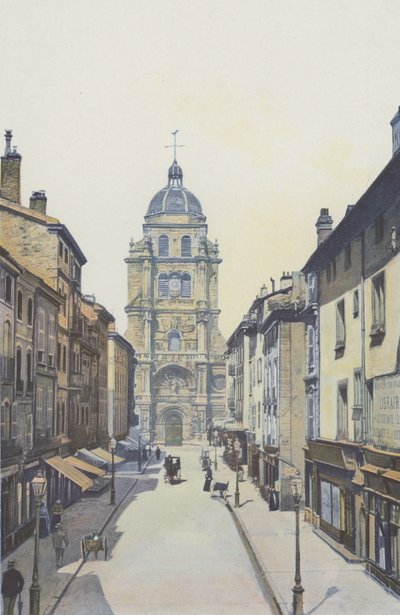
x,y
215,449
236,446
139,467
113,444
39,486
296,484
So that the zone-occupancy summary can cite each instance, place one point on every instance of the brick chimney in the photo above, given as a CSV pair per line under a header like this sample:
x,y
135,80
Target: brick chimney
x,y
286,279
395,124
38,201
324,226
10,185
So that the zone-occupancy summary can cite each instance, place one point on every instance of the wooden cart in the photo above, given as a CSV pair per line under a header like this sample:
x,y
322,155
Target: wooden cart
x,y
93,543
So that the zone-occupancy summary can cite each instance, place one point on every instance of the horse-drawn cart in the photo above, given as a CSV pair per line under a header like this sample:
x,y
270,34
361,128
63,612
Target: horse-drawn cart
x,y
93,543
172,469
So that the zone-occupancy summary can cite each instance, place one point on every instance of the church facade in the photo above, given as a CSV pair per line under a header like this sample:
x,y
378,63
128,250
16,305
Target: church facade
x,y
173,315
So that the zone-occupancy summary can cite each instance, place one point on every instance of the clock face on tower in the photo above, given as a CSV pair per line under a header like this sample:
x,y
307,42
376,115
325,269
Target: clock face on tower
x,y
174,287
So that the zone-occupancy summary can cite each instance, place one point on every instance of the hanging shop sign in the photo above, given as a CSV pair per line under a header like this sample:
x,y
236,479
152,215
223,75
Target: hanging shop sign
x,y
386,413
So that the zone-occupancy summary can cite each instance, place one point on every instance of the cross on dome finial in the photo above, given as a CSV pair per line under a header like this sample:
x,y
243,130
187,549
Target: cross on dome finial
x,y
174,133
175,174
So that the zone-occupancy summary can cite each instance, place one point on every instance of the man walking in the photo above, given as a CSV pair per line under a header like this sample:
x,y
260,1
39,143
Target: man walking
x,y
12,585
60,541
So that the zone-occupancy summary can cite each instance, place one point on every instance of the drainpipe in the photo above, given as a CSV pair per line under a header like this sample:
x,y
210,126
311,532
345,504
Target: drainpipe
x,y
365,414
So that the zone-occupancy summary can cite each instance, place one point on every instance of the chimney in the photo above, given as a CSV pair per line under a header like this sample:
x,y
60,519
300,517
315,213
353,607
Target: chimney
x,y
286,280
263,291
38,201
324,226
272,284
395,124
10,185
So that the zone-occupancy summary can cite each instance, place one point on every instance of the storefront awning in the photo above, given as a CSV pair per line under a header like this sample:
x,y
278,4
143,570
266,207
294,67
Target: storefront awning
x,y
90,457
135,436
103,454
85,466
66,469
131,446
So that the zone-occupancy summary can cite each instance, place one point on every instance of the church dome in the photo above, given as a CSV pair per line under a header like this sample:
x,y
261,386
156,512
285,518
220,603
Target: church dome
x,y
175,198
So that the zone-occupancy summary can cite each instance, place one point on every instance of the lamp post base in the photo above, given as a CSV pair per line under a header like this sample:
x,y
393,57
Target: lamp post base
x,y
34,600
112,498
237,502
297,600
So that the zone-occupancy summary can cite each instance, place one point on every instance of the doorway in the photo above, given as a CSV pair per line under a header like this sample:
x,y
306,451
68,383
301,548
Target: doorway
x,y
173,430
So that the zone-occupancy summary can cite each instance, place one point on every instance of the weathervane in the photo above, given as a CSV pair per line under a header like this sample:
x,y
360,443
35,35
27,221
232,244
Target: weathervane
x,y
174,132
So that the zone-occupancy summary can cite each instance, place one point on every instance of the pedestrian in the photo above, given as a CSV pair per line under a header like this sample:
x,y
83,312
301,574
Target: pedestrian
x,y
56,512
60,542
12,585
208,479
273,499
240,473
44,521
158,453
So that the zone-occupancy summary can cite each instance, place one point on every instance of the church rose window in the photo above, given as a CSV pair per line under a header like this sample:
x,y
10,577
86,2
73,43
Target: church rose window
x,y
186,286
163,285
186,246
163,245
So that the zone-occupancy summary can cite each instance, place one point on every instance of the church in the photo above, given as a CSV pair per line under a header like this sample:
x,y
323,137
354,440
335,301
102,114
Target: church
x,y
172,314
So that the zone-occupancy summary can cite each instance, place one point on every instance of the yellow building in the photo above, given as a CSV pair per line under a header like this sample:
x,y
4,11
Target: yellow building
x,y
173,317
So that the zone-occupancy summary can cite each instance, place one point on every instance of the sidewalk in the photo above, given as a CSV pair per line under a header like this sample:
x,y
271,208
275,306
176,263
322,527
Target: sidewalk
x,y
88,515
331,585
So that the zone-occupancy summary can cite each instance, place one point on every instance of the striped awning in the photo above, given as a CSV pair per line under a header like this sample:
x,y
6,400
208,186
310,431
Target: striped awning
x,y
103,454
85,466
66,469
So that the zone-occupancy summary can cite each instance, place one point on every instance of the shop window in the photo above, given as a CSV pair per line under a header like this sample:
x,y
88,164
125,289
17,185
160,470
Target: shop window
x,y
330,504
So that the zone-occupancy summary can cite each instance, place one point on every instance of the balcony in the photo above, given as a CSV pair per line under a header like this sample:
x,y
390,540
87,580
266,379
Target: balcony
x,y
7,369
76,380
9,448
76,325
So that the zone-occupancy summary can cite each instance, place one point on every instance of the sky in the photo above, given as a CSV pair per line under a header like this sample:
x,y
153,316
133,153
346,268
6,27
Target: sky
x,y
284,107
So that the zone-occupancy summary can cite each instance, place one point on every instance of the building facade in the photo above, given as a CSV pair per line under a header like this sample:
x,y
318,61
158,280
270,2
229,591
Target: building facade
x,y
173,317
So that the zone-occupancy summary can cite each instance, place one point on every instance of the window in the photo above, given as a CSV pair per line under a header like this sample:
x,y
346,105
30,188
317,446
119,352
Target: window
x,y
356,304
340,325
20,383
311,348
347,257
19,305
357,406
60,249
174,341
163,286
7,340
186,287
65,255
186,246
8,289
330,504
311,414
52,339
29,386
41,321
163,245
30,311
378,304
357,388
342,412
64,363
379,229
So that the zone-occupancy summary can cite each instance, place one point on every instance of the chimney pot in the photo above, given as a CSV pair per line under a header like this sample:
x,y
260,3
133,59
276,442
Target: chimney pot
x,y
324,225
38,201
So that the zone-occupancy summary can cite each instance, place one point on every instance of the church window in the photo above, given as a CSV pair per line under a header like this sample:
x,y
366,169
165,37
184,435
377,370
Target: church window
x,y
174,341
163,245
186,246
163,286
186,289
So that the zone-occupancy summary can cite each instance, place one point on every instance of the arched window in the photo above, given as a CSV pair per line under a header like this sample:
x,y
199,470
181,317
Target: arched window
x,y
186,246
30,311
186,288
8,289
163,286
19,305
163,245
7,339
174,341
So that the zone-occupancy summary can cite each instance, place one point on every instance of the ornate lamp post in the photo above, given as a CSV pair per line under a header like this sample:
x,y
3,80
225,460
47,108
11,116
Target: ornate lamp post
x,y
296,484
236,446
39,486
113,444
215,449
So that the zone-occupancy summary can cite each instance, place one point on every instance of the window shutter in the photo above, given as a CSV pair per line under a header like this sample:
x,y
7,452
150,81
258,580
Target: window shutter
x,y
163,245
186,246
163,285
186,289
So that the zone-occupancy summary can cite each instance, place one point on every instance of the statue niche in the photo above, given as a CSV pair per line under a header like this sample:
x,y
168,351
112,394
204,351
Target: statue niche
x,y
173,381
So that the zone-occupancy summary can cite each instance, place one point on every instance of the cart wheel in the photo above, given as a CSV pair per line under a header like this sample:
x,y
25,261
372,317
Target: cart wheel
x,y
105,549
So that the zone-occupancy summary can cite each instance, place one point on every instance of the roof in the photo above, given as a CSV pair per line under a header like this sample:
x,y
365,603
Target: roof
x,y
382,194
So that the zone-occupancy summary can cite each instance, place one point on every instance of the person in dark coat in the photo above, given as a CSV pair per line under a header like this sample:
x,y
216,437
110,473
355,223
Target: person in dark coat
x,y
208,479
44,521
273,499
56,512
158,453
12,585
60,542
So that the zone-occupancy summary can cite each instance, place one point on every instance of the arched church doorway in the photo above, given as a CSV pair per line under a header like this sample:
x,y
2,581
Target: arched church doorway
x,y
173,429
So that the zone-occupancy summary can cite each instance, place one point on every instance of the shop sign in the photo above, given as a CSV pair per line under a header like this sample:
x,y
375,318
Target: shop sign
x,y
386,411
9,471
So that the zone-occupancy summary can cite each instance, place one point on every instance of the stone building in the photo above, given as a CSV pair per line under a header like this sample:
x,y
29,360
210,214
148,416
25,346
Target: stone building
x,y
173,317
121,380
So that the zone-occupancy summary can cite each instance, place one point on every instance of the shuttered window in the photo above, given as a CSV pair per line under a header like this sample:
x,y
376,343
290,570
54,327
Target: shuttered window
x,y
41,324
186,287
163,245
163,286
186,246
52,339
